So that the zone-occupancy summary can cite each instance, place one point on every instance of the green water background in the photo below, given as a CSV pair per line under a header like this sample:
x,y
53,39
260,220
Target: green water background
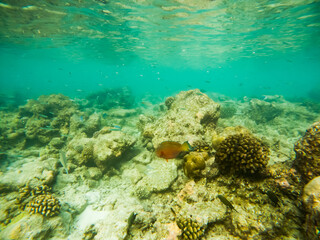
x,y
158,48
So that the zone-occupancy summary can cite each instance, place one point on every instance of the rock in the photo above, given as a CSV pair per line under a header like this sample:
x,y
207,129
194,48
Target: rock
x,y
80,150
122,113
56,143
192,116
94,173
160,176
110,148
93,124
26,226
263,112
143,157
311,201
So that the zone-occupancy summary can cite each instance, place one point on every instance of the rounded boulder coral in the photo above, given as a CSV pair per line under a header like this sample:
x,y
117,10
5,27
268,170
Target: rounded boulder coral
x,y
307,150
242,153
194,163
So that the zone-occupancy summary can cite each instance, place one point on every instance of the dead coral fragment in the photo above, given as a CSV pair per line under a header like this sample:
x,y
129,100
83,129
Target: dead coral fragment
x,y
46,205
194,163
190,229
308,153
242,153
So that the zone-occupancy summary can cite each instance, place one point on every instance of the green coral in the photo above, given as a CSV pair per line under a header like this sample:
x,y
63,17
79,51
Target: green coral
x,y
191,229
242,153
307,150
194,163
44,204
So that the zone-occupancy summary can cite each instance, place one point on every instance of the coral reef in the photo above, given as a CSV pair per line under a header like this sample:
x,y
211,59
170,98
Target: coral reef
x,y
45,204
102,150
113,178
194,162
111,98
307,151
39,121
262,111
190,229
311,201
242,153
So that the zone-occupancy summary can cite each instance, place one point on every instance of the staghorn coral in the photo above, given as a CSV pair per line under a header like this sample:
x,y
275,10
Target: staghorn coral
x,y
194,163
190,229
307,150
44,204
242,153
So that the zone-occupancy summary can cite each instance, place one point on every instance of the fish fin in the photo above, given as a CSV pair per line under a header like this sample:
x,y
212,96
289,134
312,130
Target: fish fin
x,y
187,147
167,160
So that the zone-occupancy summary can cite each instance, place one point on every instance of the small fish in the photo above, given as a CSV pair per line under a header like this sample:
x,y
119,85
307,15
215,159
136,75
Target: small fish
x,y
274,198
42,115
47,128
104,115
170,149
81,118
63,160
226,202
131,219
115,128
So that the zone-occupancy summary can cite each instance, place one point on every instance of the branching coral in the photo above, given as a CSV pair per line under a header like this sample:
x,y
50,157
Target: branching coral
x,y
308,153
44,204
190,229
242,153
38,200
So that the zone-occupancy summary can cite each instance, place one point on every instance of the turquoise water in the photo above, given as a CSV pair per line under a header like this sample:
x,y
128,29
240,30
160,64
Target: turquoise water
x,y
158,48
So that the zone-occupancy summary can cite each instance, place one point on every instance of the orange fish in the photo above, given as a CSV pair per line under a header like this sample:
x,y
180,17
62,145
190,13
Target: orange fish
x,y
169,149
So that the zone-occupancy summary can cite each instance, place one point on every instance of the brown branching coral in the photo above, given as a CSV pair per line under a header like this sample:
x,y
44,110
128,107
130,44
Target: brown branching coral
x,y
38,200
307,150
44,204
242,153
190,229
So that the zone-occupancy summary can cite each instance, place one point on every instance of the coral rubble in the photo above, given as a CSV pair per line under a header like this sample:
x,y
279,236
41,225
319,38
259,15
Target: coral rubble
x,y
242,153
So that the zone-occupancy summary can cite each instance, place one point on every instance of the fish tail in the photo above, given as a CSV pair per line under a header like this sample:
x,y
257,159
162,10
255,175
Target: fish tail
x,y
187,147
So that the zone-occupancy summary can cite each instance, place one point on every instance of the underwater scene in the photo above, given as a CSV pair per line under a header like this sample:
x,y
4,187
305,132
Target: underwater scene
x,y
159,120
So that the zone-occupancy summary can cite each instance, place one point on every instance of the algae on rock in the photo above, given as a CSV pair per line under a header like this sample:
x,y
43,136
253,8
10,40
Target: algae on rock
x,y
192,116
